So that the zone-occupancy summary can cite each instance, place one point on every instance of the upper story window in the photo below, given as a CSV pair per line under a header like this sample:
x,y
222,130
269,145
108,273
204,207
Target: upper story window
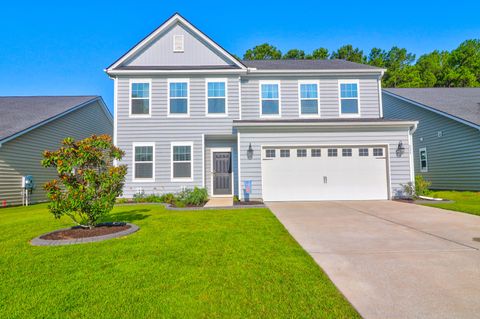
x,y
178,97
178,43
423,160
308,98
216,97
143,161
349,105
270,98
140,97
182,168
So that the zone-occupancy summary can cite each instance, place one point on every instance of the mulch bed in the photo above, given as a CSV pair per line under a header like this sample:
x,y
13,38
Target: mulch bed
x,y
248,203
78,232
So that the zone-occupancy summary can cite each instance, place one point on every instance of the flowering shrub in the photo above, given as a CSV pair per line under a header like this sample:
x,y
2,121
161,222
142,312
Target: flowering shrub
x,y
88,183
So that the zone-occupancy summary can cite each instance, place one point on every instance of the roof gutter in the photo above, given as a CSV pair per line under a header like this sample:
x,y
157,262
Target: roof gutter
x,y
411,124
163,72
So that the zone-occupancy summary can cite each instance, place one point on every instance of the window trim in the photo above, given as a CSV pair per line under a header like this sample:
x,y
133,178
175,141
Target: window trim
x,y
333,149
420,150
363,148
183,43
300,82
132,81
316,148
348,151
178,80
143,180
340,82
302,149
285,150
277,82
270,149
181,179
213,80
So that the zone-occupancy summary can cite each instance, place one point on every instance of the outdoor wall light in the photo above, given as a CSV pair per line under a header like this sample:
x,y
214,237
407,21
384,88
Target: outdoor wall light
x,y
400,149
250,152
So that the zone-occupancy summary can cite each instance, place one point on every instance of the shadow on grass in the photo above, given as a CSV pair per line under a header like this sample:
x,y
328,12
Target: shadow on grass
x,y
129,215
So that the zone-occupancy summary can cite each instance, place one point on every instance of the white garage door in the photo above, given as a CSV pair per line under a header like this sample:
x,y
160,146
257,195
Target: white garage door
x,y
324,173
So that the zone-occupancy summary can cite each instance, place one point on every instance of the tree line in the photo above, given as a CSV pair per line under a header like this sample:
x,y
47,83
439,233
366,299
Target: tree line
x,y
459,67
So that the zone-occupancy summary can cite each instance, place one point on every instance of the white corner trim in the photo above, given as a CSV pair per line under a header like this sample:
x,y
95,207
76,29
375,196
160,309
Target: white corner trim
x,y
240,193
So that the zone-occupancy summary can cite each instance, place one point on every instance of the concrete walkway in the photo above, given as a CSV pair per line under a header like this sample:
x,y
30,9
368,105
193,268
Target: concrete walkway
x,y
219,202
391,259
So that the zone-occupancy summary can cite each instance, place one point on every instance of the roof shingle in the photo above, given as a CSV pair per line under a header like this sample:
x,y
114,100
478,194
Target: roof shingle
x,y
307,65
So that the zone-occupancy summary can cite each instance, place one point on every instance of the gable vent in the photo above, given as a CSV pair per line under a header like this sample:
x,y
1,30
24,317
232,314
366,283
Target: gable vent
x,y
178,43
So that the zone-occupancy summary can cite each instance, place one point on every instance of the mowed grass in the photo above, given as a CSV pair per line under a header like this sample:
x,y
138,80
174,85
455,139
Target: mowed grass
x,y
181,264
466,202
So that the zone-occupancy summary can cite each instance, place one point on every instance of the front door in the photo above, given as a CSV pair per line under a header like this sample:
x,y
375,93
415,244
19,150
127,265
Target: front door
x,y
222,173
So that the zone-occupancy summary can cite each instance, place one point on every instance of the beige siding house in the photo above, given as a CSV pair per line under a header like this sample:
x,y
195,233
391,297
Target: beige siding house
x,y
30,125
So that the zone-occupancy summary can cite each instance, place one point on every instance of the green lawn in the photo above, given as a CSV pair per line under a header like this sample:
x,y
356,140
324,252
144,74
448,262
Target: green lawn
x,y
191,264
466,202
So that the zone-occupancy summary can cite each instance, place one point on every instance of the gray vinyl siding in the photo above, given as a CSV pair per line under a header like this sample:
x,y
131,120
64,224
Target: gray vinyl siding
x,y
162,130
160,52
454,158
329,96
22,155
209,145
252,169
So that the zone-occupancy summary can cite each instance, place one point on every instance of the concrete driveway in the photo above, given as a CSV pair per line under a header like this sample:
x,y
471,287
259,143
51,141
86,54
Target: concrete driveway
x,y
391,259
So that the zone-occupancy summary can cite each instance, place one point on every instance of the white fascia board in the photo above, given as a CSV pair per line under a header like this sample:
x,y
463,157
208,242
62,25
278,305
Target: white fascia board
x,y
175,18
166,72
426,107
407,124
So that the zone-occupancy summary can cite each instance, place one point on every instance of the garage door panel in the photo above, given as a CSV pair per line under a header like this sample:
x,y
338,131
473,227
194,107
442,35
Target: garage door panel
x,y
324,178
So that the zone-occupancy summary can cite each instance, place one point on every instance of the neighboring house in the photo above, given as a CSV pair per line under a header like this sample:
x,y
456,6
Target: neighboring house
x,y
31,124
188,113
447,141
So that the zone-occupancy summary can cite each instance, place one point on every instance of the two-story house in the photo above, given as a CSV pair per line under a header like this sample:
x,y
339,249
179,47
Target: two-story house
x,y
188,113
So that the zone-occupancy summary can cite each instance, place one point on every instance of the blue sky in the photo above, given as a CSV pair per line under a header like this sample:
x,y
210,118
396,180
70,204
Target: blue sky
x,y
62,47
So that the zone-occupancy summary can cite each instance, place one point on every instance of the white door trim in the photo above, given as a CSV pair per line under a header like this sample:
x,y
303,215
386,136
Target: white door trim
x,y
218,150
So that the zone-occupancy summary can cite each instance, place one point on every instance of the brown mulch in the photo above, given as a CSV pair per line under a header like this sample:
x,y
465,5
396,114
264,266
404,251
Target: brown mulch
x,y
249,203
76,232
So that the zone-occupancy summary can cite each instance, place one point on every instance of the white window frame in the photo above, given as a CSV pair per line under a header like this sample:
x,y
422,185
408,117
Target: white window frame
x,y
316,148
340,82
214,80
169,98
131,82
270,149
285,150
316,82
260,83
182,37
138,180
181,179
300,150
420,150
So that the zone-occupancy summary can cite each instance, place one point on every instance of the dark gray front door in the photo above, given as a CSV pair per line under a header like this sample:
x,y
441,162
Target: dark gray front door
x,y
222,173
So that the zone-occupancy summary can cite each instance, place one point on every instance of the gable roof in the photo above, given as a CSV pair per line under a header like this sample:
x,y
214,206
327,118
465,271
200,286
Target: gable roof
x,y
20,114
461,104
176,18
307,65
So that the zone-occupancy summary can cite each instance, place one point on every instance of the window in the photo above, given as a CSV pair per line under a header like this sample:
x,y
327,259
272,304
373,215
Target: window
x,y
178,43
346,152
284,153
270,101
140,97
378,152
302,152
143,160
316,152
332,152
270,153
308,98
349,98
363,152
182,161
423,160
216,97
178,97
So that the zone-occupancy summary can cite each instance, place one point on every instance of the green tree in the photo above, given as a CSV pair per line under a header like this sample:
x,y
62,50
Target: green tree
x,y
294,54
433,67
319,54
464,65
349,53
377,57
88,183
263,52
399,60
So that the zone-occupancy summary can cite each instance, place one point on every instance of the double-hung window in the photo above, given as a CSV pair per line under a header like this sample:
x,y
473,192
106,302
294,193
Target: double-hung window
x,y
216,97
349,105
143,161
140,97
270,98
178,97
423,160
308,92
182,167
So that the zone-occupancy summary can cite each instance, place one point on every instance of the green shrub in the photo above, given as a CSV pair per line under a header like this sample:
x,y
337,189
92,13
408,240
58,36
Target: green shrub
x,y
122,200
195,197
178,203
168,198
153,199
236,199
139,197
421,186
